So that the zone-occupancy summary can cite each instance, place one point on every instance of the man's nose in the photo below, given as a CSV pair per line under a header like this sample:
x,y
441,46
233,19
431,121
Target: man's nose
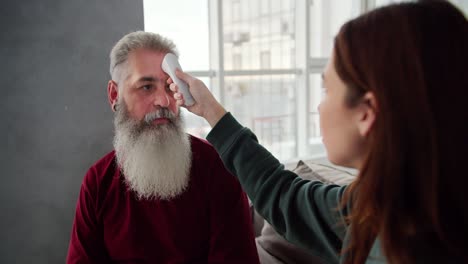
x,y
161,98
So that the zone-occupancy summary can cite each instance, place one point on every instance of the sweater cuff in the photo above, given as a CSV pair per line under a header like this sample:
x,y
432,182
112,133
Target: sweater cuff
x,y
221,134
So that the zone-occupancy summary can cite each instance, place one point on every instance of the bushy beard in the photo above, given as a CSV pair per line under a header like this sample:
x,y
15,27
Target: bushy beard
x,y
155,159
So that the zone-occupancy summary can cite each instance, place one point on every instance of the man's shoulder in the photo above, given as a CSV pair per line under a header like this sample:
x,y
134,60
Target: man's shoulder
x,y
104,168
205,154
200,145
105,161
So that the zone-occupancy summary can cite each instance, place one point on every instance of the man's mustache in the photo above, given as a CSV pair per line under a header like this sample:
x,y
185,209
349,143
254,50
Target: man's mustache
x,y
160,113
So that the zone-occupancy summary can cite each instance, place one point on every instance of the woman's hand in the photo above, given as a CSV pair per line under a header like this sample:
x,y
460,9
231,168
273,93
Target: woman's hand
x,y
205,104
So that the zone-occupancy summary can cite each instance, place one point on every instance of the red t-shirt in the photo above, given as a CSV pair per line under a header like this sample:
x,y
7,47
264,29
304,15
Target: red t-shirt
x,y
209,223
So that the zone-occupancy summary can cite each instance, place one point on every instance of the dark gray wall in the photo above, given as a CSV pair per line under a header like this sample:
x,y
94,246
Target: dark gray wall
x,y
55,120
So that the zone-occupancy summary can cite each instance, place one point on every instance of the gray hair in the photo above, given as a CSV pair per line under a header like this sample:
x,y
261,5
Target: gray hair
x,y
133,41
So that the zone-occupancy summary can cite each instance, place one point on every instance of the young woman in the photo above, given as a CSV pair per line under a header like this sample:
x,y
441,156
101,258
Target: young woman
x,y
395,108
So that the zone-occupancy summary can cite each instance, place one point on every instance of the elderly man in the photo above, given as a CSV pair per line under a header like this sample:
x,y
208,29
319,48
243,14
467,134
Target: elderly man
x,y
162,196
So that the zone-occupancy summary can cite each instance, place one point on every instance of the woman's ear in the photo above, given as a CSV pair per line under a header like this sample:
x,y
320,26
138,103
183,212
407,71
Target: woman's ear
x,y
368,109
112,94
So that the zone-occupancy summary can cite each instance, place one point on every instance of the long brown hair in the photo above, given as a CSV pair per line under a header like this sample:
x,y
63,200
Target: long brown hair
x,y
410,193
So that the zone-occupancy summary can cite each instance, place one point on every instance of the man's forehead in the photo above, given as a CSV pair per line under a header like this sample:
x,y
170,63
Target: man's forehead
x,y
145,65
149,78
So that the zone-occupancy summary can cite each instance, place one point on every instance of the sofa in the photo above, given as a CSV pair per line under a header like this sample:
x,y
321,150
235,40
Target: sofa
x,y
274,249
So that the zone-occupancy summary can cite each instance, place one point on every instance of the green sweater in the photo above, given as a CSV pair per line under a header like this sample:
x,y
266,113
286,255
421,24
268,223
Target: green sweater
x,y
306,213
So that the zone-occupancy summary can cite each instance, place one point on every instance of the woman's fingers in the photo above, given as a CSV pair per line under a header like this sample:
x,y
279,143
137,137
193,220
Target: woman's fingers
x,y
173,87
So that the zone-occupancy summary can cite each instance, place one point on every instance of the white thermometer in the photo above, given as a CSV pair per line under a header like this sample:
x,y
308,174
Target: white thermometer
x,y
169,66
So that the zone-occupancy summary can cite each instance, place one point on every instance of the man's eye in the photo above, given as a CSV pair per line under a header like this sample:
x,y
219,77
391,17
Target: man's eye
x,y
147,87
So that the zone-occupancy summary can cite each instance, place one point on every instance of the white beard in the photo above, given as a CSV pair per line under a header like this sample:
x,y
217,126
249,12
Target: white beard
x,y
155,160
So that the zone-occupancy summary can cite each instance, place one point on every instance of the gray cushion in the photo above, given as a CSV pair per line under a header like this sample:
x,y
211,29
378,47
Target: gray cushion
x,y
274,249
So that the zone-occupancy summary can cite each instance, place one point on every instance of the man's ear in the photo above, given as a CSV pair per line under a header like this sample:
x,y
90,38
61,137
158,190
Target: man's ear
x,y
112,94
368,110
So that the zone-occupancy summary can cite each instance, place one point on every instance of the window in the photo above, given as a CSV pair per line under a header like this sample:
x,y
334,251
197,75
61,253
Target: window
x,y
237,61
265,62
326,18
262,58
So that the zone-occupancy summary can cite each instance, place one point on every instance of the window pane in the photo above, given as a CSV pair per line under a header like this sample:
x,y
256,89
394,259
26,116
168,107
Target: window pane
x,y
315,96
188,31
326,18
259,41
266,104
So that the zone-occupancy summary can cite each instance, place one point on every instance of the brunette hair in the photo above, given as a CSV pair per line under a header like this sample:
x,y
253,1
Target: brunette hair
x,y
411,192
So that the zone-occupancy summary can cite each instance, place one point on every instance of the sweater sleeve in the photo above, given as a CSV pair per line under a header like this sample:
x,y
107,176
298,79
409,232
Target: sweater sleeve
x,y
306,213
231,232
86,241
